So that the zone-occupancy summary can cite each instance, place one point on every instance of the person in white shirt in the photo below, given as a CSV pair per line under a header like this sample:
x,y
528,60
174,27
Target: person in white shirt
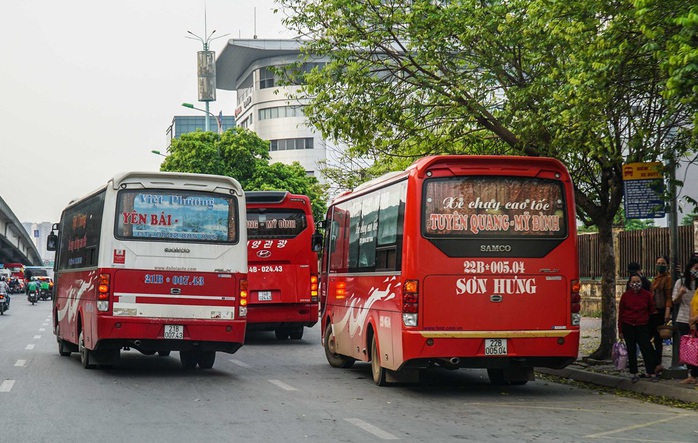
x,y
682,297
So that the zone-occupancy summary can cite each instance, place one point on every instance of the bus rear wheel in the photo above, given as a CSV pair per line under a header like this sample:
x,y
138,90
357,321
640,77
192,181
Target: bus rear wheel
x,y
296,334
379,372
206,359
189,358
85,354
335,360
281,334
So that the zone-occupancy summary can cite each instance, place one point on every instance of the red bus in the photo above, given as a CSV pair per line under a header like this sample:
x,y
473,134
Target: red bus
x,y
458,262
155,262
282,263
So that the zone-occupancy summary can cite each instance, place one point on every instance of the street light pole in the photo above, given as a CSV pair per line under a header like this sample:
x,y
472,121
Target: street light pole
x,y
208,114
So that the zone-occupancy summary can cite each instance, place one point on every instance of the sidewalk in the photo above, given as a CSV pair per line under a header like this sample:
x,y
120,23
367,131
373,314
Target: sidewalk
x,y
603,373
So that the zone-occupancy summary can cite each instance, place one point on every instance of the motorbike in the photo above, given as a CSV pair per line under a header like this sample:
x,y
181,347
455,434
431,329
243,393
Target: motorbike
x,y
33,297
4,303
44,294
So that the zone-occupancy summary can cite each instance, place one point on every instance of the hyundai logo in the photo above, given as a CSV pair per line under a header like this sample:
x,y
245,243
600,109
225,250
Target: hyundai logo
x,y
264,253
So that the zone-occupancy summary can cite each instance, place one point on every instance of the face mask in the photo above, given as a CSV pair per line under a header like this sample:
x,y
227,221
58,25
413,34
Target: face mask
x,y
661,269
635,286
694,273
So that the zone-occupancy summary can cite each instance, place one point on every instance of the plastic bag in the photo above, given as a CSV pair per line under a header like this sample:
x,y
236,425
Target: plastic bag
x,y
688,349
619,353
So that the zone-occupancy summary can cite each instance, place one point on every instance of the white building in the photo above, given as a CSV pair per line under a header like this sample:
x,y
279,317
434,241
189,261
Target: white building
x,y
262,103
38,232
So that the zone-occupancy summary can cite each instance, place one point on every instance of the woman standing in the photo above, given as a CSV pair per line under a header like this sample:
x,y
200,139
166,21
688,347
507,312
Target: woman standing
x,y
683,295
634,310
661,289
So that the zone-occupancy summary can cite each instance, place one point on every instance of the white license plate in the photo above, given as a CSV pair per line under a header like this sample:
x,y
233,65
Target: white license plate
x,y
495,346
174,332
264,296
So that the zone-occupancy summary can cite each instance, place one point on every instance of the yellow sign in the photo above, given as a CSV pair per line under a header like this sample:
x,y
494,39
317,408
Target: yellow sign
x,y
642,171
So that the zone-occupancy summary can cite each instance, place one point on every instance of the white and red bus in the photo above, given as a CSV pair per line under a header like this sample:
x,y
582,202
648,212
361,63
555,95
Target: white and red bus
x,y
153,261
458,261
282,263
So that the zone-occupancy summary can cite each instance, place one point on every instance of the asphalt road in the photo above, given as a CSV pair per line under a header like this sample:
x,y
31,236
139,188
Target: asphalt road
x,y
285,391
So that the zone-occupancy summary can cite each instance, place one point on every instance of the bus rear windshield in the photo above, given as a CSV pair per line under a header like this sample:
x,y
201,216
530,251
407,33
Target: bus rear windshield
x,y
176,215
494,207
267,223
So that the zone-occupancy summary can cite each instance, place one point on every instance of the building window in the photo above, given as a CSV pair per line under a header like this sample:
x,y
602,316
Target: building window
x,y
281,112
291,144
266,78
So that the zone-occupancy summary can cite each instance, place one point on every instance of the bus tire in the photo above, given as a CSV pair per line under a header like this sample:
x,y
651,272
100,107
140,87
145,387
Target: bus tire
x,y
335,360
296,334
379,372
206,359
163,353
85,353
63,349
281,334
189,358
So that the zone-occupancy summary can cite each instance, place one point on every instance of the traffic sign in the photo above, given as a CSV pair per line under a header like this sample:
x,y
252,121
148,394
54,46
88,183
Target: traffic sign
x,y
643,185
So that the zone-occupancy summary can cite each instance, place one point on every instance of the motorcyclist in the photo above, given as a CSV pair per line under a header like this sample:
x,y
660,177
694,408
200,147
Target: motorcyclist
x,y
44,287
4,289
32,286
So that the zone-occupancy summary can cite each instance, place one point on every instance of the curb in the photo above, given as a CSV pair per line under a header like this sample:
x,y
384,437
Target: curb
x,y
658,389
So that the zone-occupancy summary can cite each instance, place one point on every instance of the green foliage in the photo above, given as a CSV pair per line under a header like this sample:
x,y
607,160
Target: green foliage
x,y
241,154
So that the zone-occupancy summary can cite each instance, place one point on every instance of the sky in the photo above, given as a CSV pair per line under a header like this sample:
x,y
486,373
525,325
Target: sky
x,y
88,88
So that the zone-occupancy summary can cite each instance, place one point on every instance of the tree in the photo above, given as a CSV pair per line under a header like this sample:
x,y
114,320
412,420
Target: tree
x,y
241,154
571,80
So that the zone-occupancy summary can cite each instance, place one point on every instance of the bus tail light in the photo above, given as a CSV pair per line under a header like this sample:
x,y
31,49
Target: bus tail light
x,y
575,303
243,298
410,302
313,288
341,290
103,289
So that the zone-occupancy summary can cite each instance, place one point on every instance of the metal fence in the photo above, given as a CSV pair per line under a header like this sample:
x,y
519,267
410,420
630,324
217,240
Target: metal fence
x,y
643,246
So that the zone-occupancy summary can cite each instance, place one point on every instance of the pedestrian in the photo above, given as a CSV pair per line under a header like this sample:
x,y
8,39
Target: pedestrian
x,y
661,289
682,296
635,268
634,310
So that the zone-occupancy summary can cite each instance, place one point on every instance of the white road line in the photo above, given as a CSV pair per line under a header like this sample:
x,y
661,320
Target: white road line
x,y
630,428
372,429
20,362
37,337
6,386
29,347
282,385
239,363
42,329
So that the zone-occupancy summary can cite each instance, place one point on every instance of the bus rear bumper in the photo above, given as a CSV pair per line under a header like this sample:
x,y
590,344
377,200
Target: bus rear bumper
x,y
267,317
551,349
148,334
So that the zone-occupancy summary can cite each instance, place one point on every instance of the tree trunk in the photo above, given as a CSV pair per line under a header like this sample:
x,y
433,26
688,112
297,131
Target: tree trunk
x,y
608,293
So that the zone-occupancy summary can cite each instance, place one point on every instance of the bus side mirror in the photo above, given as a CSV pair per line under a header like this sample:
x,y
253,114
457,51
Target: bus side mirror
x,y
52,242
316,242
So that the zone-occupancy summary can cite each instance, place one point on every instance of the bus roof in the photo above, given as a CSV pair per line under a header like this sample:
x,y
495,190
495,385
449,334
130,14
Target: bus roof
x,y
155,179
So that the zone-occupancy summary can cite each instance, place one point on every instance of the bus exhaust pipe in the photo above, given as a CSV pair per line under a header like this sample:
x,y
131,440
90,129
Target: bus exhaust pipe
x,y
137,343
454,361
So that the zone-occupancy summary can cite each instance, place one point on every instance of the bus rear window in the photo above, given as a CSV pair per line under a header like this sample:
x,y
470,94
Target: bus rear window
x,y
494,207
176,215
266,223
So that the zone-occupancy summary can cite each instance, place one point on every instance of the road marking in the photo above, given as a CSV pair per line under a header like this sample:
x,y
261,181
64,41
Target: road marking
x,y
239,363
633,427
37,337
20,362
29,347
282,385
372,429
42,329
6,386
